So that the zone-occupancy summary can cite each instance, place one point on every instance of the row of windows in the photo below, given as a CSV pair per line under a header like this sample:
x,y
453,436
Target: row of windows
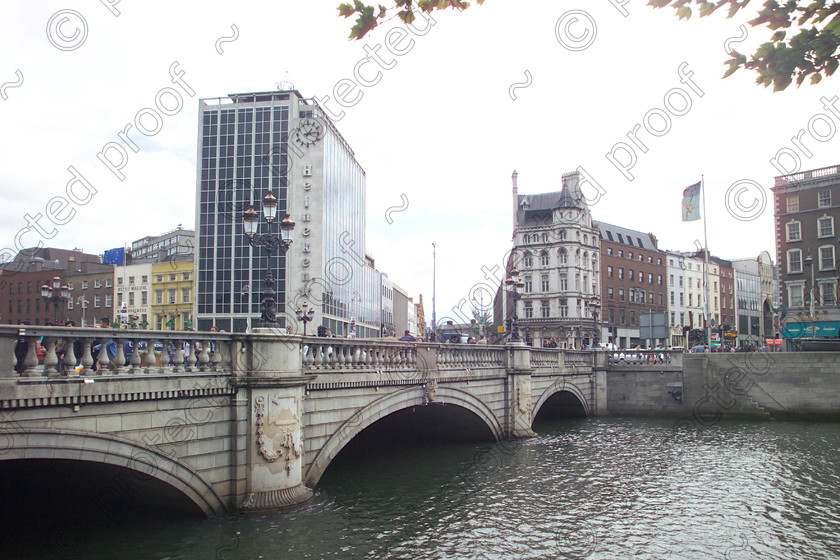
x,y
630,255
635,295
562,255
561,235
171,296
545,284
823,201
633,277
795,262
826,294
29,286
97,302
825,228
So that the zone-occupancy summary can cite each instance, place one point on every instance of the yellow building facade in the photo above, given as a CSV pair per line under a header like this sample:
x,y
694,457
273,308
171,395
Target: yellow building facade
x,y
172,295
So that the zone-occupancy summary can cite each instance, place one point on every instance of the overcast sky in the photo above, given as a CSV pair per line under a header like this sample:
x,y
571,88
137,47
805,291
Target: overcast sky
x,y
441,128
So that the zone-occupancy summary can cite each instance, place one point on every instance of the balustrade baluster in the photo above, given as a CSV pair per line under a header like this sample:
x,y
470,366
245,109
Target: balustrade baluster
x,y
102,361
178,359
150,356
135,356
51,358
164,357
119,358
31,360
69,358
217,356
87,358
192,359
204,356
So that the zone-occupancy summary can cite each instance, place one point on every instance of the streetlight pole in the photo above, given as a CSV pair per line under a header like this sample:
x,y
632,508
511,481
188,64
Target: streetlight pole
x,y
809,260
270,243
305,316
514,286
55,295
434,279
595,306
83,301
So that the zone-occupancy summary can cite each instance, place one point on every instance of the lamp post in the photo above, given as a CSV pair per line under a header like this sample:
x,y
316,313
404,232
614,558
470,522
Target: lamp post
x,y
305,316
809,260
594,306
270,243
514,286
55,294
83,301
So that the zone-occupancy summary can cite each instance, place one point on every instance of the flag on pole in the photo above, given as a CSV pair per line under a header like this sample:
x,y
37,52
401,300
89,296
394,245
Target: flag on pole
x,y
114,256
691,203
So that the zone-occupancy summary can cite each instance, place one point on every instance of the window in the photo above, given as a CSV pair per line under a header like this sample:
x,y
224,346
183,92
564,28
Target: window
x,y
715,284
650,279
660,298
544,259
108,300
682,299
158,296
97,301
620,253
172,293
119,299
185,295
528,285
795,298
794,232
630,275
544,282
564,283
563,256
119,281
672,298
145,280
673,316
621,274
529,310
641,258
621,294
794,260
69,304
172,277
612,315
130,298
793,203
529,260
825,227
630,255
632,317
97,284
828,291
29,287
186,276
610,293
827,258
691,300
545,238
545,310
527,239
682,318
84,284
564,308
609,272
621,316
824,199
159,278
609,251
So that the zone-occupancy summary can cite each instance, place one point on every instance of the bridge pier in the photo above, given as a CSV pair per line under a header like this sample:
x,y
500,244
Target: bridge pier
x,y
274,391
520,403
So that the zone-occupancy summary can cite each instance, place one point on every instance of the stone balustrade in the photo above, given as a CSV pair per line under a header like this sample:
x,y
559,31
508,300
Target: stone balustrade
x,y
86,352
343,354
643,358
545,358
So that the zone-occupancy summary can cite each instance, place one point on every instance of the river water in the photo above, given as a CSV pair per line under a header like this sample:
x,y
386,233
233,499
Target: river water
x,y
584,488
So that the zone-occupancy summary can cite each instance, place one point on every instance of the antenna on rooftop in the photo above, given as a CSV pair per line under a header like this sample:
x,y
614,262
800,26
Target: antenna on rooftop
x,y
285,83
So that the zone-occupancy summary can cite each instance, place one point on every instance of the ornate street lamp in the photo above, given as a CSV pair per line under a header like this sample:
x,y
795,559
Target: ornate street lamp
x,y
55,294
305,316
270,243
595,307
514,286
809,261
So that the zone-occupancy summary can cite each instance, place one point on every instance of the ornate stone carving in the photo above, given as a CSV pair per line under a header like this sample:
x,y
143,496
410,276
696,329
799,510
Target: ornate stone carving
x,y
523,397
277,426
430,390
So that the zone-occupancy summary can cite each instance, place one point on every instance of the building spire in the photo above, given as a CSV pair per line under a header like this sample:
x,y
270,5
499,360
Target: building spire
x,y
515,179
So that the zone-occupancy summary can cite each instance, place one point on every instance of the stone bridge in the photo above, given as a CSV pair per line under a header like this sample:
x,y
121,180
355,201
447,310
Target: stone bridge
x,y
229,422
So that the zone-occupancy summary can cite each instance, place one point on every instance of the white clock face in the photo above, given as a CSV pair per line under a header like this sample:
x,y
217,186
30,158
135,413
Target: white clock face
x,y
309,132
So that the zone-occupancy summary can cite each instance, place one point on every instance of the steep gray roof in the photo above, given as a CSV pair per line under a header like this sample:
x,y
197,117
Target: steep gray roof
x,y
626,236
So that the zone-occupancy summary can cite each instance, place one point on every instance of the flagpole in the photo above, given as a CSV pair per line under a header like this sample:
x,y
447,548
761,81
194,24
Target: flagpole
x,y
706,267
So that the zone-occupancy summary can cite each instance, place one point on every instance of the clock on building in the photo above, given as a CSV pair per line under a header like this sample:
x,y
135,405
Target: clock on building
x,y
309,131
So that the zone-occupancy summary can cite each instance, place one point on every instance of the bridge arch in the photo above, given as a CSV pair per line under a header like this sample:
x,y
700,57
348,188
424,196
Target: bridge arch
x,y
394,402
114,451
556,388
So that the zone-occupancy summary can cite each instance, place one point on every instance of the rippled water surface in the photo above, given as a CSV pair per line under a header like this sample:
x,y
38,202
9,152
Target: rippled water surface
x,y
595,488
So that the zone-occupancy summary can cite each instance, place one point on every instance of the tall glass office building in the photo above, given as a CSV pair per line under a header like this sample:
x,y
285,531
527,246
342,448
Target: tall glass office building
x,y
251,144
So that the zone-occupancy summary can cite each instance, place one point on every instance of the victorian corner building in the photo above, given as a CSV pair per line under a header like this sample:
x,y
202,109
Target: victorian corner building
x,y
807,209
252,144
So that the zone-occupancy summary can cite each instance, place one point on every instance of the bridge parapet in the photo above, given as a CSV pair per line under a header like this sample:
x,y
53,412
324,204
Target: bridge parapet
x,y
171,352
665,359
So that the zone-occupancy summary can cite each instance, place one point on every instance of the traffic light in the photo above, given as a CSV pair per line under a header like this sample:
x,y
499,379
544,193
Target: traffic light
x,y
322,330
